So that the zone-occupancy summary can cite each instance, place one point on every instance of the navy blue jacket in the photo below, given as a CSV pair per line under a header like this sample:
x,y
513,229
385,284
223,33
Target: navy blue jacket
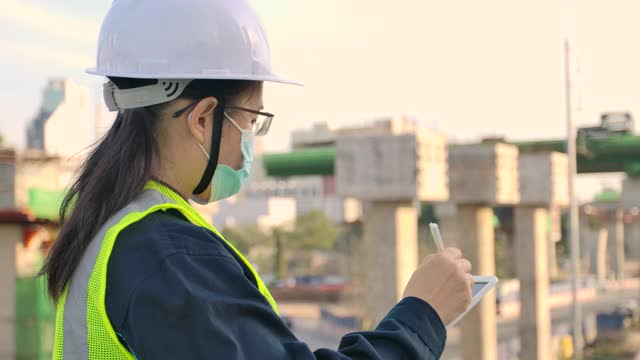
x,y
176,291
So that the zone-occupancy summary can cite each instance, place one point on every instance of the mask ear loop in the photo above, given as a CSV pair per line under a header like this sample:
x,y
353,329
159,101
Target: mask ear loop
x,y
233,122
198,142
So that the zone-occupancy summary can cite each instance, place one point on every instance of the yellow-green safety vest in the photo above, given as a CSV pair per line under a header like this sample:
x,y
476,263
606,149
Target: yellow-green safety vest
x,y
83,329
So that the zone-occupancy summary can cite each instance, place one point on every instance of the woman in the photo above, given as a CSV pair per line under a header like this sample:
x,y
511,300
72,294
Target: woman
x,y
136,271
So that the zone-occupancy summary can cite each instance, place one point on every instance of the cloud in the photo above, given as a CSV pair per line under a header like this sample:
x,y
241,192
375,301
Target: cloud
x,y
39,19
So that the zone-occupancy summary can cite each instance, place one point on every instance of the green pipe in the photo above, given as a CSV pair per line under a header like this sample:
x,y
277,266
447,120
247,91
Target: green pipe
x,y
624,145
617,145
533,146
614,154
313,161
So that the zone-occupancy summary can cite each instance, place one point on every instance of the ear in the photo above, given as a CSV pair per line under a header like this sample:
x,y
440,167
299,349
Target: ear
x,y
200,119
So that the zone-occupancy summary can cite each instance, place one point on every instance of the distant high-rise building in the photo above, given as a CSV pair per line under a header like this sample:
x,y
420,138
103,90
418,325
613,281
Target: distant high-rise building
x,y
66,121
52,96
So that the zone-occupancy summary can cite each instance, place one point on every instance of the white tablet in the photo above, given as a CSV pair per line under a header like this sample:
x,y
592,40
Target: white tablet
x,y
481,287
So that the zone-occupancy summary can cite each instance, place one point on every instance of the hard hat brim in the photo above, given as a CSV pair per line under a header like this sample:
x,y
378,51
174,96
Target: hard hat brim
x,y
267,78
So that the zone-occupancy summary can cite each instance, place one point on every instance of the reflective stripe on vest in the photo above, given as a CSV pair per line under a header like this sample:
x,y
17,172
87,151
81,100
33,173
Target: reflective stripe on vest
x,y
83,329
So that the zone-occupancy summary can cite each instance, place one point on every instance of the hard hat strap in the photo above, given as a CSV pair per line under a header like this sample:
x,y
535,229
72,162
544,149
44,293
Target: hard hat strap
x,y
218,120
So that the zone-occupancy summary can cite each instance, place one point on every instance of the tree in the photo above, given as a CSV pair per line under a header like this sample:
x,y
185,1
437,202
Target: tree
x,y
279,265
426,244
245,237
313,231
349,235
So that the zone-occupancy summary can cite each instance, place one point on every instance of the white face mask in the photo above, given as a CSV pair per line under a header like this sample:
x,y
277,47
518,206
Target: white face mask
x,y
226,181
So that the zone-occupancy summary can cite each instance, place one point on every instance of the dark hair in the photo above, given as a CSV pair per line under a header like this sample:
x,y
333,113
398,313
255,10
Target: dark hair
x,y
114,173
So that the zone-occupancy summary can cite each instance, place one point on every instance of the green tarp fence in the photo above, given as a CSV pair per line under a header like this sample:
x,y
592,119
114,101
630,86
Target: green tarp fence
x,y
45,204
35,319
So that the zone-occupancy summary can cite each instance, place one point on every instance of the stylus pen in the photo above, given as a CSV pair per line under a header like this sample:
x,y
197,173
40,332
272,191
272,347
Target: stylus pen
x,y
435,232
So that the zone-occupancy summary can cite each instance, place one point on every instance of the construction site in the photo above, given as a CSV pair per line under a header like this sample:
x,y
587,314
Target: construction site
x,y
498,135
483,195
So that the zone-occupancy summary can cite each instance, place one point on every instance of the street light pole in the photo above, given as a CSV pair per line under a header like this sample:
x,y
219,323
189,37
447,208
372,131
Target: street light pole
x,y
573,214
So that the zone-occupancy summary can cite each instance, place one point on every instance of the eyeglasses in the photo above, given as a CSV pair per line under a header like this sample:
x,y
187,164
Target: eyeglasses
x,y
259,126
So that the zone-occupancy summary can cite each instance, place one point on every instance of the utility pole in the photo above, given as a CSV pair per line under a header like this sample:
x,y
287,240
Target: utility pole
x,y
573,213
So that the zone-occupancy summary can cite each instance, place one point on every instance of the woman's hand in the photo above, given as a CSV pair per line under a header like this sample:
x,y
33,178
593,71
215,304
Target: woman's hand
x,y
444,281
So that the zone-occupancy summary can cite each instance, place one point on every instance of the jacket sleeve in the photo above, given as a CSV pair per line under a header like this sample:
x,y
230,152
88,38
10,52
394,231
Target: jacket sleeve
x,y
197,307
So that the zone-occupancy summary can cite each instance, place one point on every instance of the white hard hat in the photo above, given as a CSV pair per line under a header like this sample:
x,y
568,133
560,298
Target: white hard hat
x,y
179,40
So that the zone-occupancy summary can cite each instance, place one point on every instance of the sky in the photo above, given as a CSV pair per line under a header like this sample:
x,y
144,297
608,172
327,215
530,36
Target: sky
x,y
467,68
